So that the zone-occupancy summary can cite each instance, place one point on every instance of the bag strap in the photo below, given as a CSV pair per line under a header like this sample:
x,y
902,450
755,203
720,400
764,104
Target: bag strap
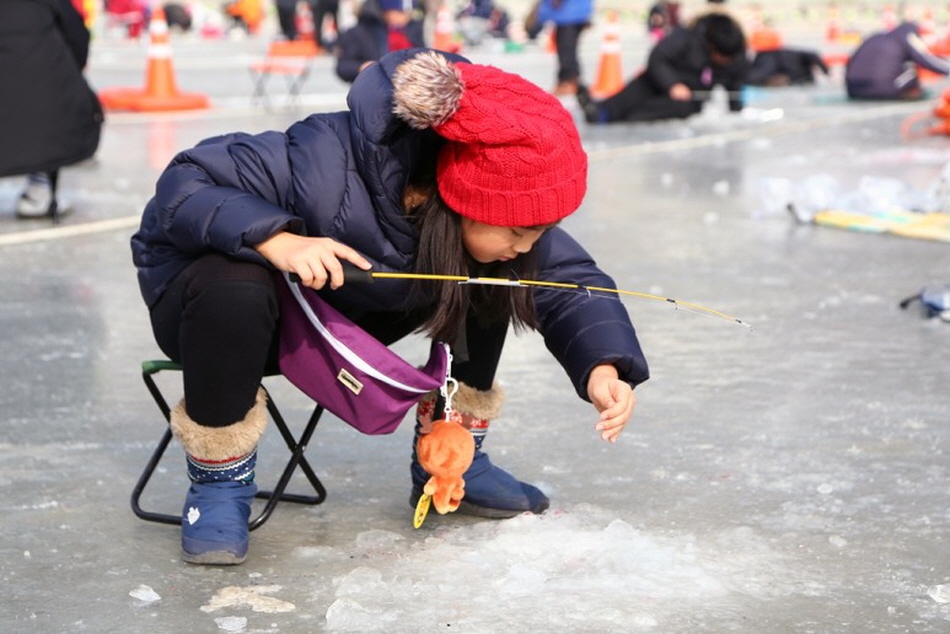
x,y
344,351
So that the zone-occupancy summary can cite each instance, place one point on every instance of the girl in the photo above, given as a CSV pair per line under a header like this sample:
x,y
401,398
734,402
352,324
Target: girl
x,y
439,166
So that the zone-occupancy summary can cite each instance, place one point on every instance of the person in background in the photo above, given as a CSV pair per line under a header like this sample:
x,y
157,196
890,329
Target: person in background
x,y
439,165
178,16
662,18
133,14
382,26
479,19
49,116
323,9
681,71
287,18
785,67
570,19
884,66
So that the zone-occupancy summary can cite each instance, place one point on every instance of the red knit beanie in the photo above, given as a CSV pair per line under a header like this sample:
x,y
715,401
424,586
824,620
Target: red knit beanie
x,y
513,156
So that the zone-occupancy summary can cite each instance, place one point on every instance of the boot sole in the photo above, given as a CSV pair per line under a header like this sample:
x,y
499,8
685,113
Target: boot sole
x,y
213,558
475,510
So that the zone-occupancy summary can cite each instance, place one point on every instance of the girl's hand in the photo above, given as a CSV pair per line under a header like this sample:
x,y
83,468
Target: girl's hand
x,y
613,398
315,260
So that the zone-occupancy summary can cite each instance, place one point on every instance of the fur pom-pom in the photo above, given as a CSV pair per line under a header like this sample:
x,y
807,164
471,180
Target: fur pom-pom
x,y
427,90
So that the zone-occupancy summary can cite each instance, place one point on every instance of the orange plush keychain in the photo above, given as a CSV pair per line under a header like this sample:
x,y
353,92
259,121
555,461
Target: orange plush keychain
x,y
445,452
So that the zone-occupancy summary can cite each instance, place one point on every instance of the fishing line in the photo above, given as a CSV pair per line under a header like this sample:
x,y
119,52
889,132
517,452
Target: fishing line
x,y
353,274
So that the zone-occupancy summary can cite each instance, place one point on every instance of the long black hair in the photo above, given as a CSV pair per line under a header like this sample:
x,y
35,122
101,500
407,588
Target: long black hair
x,y
441,251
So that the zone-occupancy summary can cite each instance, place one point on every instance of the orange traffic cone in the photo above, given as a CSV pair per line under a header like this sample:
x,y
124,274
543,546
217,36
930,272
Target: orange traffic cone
x,y
832,32
765,39
609,74
160,92
444,39
306,29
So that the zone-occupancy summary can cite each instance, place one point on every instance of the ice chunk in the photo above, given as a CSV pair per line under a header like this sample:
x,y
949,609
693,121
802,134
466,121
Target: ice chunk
x,y
144,594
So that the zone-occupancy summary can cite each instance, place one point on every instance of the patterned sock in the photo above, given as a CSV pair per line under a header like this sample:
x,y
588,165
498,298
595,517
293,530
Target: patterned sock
x,y
237,469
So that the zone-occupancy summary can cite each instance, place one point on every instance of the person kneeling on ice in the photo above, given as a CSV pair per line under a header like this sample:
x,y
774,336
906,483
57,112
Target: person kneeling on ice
x,y
681,71
438,166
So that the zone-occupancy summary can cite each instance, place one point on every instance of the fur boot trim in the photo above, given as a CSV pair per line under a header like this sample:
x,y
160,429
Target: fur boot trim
x,y
221,443
484,404
471,403
427,90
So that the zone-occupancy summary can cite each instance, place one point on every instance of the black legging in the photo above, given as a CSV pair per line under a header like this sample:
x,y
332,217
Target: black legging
x,y
219,320
566,40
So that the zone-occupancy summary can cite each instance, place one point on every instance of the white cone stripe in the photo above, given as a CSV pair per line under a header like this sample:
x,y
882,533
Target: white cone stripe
x,y
160,51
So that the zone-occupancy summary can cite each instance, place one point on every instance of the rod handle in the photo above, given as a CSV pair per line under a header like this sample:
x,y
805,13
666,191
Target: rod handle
x,y
351,274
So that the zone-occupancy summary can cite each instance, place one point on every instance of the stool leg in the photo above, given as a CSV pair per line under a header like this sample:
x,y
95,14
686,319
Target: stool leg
x,y
153,461
297,448
151,516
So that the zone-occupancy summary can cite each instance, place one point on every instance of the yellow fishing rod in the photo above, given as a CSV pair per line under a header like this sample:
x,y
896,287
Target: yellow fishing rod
x,y
352,274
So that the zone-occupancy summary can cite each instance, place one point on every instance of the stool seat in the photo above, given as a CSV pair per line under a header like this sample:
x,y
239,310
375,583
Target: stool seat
x,y
297,460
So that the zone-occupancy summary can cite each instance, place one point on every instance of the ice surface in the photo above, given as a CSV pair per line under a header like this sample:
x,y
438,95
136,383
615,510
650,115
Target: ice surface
x,y
790,481
584,569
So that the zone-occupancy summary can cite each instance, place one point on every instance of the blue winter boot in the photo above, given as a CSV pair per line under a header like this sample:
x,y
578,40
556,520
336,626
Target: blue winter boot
x,y
489,491
221,460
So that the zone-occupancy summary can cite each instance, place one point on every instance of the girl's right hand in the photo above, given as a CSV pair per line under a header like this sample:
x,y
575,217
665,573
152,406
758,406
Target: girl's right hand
x,y
315,260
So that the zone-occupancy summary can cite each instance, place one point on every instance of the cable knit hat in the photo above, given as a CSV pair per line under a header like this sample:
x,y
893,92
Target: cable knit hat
x,y
513,156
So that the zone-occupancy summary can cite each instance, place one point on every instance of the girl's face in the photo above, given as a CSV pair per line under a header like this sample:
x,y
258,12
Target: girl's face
x,y
488,243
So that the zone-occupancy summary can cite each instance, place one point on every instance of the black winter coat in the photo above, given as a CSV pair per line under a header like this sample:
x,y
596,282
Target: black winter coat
x,y
785,66
342,175
49,117
368,41
683,57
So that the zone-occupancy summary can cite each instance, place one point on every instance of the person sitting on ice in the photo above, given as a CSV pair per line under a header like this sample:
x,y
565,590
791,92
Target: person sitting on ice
x,y
785,67
481,18
884,66
382,26
681,71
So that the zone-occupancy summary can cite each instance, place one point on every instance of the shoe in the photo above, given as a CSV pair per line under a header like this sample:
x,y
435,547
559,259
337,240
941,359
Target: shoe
x,y
591,108
36,201
214,523
489,491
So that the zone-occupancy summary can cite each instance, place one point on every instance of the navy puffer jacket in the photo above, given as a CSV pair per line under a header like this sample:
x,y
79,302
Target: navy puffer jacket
x,y
341,175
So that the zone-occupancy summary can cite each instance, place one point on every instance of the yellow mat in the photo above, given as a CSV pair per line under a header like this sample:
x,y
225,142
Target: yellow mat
x,y
909,224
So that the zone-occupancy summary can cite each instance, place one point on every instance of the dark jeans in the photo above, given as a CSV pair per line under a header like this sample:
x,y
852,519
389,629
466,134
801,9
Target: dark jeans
x,y
220,320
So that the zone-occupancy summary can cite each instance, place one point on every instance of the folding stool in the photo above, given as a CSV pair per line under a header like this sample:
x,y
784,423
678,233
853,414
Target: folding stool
x,y
290,59
297,447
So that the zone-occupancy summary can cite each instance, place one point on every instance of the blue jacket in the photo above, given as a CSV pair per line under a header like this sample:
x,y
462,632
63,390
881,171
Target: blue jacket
x,y
565,11
342,175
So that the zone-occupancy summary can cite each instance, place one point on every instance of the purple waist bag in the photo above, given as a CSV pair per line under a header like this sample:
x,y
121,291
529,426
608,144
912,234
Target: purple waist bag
x,y
343,368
